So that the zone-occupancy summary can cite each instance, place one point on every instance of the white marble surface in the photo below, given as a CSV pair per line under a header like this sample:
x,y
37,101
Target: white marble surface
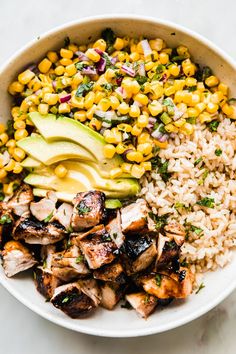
x,y
23,331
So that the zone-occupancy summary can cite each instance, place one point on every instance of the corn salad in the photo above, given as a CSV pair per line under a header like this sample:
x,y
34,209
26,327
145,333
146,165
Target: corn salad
x,y
136,92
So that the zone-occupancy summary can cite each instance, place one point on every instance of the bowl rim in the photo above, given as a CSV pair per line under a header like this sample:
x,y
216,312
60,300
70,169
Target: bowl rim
x,y
74,325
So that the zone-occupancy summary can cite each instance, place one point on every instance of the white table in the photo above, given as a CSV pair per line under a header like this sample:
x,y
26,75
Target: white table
x,y
22,331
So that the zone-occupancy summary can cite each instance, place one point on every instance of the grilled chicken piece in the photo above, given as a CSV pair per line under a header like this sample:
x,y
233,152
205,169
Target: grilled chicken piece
x,y
134,217
167,251
45,207
175,231
139,253
111,272
36,232
111,294
77,299
20,202
69,264
115,231
16,258
96,246
46,282
89,210
166,286
143,303
63,215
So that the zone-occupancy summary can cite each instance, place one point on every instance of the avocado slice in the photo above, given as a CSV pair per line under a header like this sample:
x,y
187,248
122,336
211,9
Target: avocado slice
x,y
63,128
49,153
31,163
64,197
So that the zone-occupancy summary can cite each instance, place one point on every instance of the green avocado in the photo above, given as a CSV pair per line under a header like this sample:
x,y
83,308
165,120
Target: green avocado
x,y
31,163
49,153
63,128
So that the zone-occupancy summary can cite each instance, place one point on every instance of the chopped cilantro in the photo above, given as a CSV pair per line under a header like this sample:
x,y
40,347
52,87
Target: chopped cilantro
x,y
107,86
83,208
204,176
198,231
141,79
48,218
207,202
218,152
159,221
191,120
158,279
10,129
1,196
83,88
178,58
162,168
79,259
65,300
197,161
160,68
213,125
80,66
201,286
5,219
204,73
192,88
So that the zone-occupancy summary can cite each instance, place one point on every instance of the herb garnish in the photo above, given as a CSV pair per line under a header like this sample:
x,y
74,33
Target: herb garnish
x,y
83,88
80,66
162,168
10,129
109,36
192,88
83,208
48,218
198,231
159,221
107,86
5,219
207,202
141,79
204,73
201,286
65,300
204,176
197,161
158,279
213,125
79,259
146,299
218,152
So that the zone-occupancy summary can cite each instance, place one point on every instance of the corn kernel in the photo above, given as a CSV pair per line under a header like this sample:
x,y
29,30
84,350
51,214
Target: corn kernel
x,y
80,115
120,148
124,127
135,87
92,55
137,171
134,111
126,167
200,86
123,108
109,151
52,56
205,117
95,124
142,121
190,81
73,47
59,70
155,108
211,81
18,154
26,76
217,97
134,56
192,112
15,87
89,100
44,65
136,130
65,61
146,165
156,44
50,98
169,91
200,107
189,68
10,166
227,110
119,44
3,174
145,148
223,88
66,53
170,128
134,156
19,124
18,168
104,104
20,134
90,112
70,70
164,58
187,129
114,102
179,123
100,44
182,51
144,138
212,107
3,138
174,70
141,98
43,108
160,145
60,171
64,108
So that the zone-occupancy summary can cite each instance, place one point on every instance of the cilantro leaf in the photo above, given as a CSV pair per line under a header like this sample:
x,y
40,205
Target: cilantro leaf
x,y
198,231
83,208
48,218
158,279
84,88
207,202
201,286
218,152
213,125
79,259
5,219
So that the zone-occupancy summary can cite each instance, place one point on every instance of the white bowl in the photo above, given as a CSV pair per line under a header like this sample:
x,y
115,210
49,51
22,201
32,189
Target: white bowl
x,y
218,284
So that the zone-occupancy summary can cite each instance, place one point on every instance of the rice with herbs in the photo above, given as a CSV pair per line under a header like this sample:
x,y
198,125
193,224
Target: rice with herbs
x,y
202,170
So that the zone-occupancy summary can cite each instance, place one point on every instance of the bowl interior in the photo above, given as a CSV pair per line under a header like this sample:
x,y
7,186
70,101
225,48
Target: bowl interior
x,y
121,322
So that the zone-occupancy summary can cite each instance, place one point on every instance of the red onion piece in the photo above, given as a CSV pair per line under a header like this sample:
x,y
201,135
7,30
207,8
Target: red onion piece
x,y
121,92
160,136
146,47
141,69
114,60
82,56
128,70
89,71
119,80
101,65
99,51
65,98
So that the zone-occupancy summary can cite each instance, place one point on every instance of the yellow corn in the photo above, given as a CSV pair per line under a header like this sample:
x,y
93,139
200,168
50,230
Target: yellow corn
x,y
10,166
211,81
92,55
66,53
146,165
227,110
137,171
164,58
212,107
145,148
44,65
134,111
2,174
18,168
156,44
123,108
52,56
89,100
109,151
134,156
15,87
136,130
120,148
141,98
155,108
60,171
25,77
116,172
100,44
50,98
18,154
95,124
20,134
59,70
43,108
19,124
104,104
80,115
64,108
126,167
142,121
70,70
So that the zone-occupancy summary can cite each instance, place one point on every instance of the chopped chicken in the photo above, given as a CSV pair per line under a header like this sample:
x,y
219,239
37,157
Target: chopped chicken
x,y
63,215
175,231
168,251
113,272
134,217
69,264
166,286
115,231
76,299
16,258
111,294
46,282
88,211
139,253
21,200
36,232
97,247
45,208
143,303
